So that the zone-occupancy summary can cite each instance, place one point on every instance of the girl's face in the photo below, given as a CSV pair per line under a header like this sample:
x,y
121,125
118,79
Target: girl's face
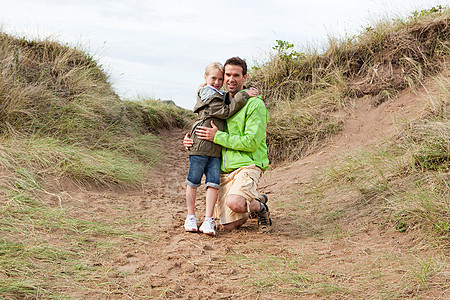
x,y
215,79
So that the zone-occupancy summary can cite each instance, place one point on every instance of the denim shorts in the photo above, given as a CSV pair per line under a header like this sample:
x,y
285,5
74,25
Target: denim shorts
x,y
202,164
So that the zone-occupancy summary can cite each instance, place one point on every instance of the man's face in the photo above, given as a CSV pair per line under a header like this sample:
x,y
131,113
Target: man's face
x,y
234,80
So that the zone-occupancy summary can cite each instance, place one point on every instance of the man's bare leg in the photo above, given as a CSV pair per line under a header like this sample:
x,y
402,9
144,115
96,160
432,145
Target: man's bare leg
x,y
235,224
238,204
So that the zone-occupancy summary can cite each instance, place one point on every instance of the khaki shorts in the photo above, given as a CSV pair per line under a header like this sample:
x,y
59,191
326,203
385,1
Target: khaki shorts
x,y
243,181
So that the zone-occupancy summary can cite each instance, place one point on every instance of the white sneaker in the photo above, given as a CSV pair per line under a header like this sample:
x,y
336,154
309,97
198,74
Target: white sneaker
x,y
208,227
191,224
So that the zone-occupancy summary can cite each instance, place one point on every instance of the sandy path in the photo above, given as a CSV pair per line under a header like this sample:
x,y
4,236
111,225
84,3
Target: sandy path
x,y
302,258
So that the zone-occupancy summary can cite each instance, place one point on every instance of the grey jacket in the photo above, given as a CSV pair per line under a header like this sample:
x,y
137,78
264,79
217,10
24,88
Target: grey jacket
x,y
211,106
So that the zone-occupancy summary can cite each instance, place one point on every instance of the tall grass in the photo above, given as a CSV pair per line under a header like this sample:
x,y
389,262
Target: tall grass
x,y
53,89
61,120
304,90
406,176
57,105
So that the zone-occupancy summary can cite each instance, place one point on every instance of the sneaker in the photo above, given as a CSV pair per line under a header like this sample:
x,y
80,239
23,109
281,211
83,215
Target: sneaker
x,y
191,224
263,199
264,220
208,227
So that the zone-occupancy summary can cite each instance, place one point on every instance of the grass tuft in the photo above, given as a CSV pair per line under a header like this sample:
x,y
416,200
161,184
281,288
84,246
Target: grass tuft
x,y
405,178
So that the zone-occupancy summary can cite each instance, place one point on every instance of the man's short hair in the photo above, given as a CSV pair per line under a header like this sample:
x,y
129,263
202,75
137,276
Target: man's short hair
x,y
237,61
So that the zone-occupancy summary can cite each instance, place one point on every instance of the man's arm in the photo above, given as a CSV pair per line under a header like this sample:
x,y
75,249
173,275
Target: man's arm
x,y
248,141
221,110
187,141
254,131
207,133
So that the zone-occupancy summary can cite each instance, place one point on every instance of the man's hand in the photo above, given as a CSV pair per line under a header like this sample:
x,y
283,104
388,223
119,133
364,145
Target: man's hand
x,y
187,141
206,133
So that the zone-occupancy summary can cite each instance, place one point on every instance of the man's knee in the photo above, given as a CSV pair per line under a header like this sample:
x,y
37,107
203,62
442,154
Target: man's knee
x,y
236,203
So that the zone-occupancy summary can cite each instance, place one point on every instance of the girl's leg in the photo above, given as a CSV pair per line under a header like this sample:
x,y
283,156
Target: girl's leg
x,y
212,182
190,224
191,193
211,198
208,226
212,178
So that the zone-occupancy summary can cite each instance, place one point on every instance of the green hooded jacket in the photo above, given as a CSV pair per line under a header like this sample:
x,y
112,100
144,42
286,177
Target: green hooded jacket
x,y
244,141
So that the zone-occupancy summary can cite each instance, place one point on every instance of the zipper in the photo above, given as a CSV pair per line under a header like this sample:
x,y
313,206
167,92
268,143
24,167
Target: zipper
x,y
225,160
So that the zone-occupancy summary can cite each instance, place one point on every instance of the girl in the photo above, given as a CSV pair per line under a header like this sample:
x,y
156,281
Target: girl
x,y
205,156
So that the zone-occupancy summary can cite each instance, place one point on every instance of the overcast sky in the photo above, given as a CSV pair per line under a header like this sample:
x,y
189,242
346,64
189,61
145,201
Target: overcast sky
x,y
159,48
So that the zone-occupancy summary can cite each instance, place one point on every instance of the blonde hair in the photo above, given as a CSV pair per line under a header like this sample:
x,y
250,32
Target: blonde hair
x,y
214,66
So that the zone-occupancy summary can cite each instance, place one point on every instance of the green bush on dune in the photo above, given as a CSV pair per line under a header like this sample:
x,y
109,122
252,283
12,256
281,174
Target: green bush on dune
x,y
56,94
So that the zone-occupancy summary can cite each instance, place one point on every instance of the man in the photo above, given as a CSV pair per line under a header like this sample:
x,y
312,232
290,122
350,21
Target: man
x,y
244,155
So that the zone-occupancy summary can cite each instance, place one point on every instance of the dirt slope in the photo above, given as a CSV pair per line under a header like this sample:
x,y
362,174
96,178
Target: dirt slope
x,y
300,259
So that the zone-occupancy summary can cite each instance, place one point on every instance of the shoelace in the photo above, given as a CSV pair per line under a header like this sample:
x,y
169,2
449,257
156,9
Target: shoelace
x,y
192,219
264,221
212,223
264,218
